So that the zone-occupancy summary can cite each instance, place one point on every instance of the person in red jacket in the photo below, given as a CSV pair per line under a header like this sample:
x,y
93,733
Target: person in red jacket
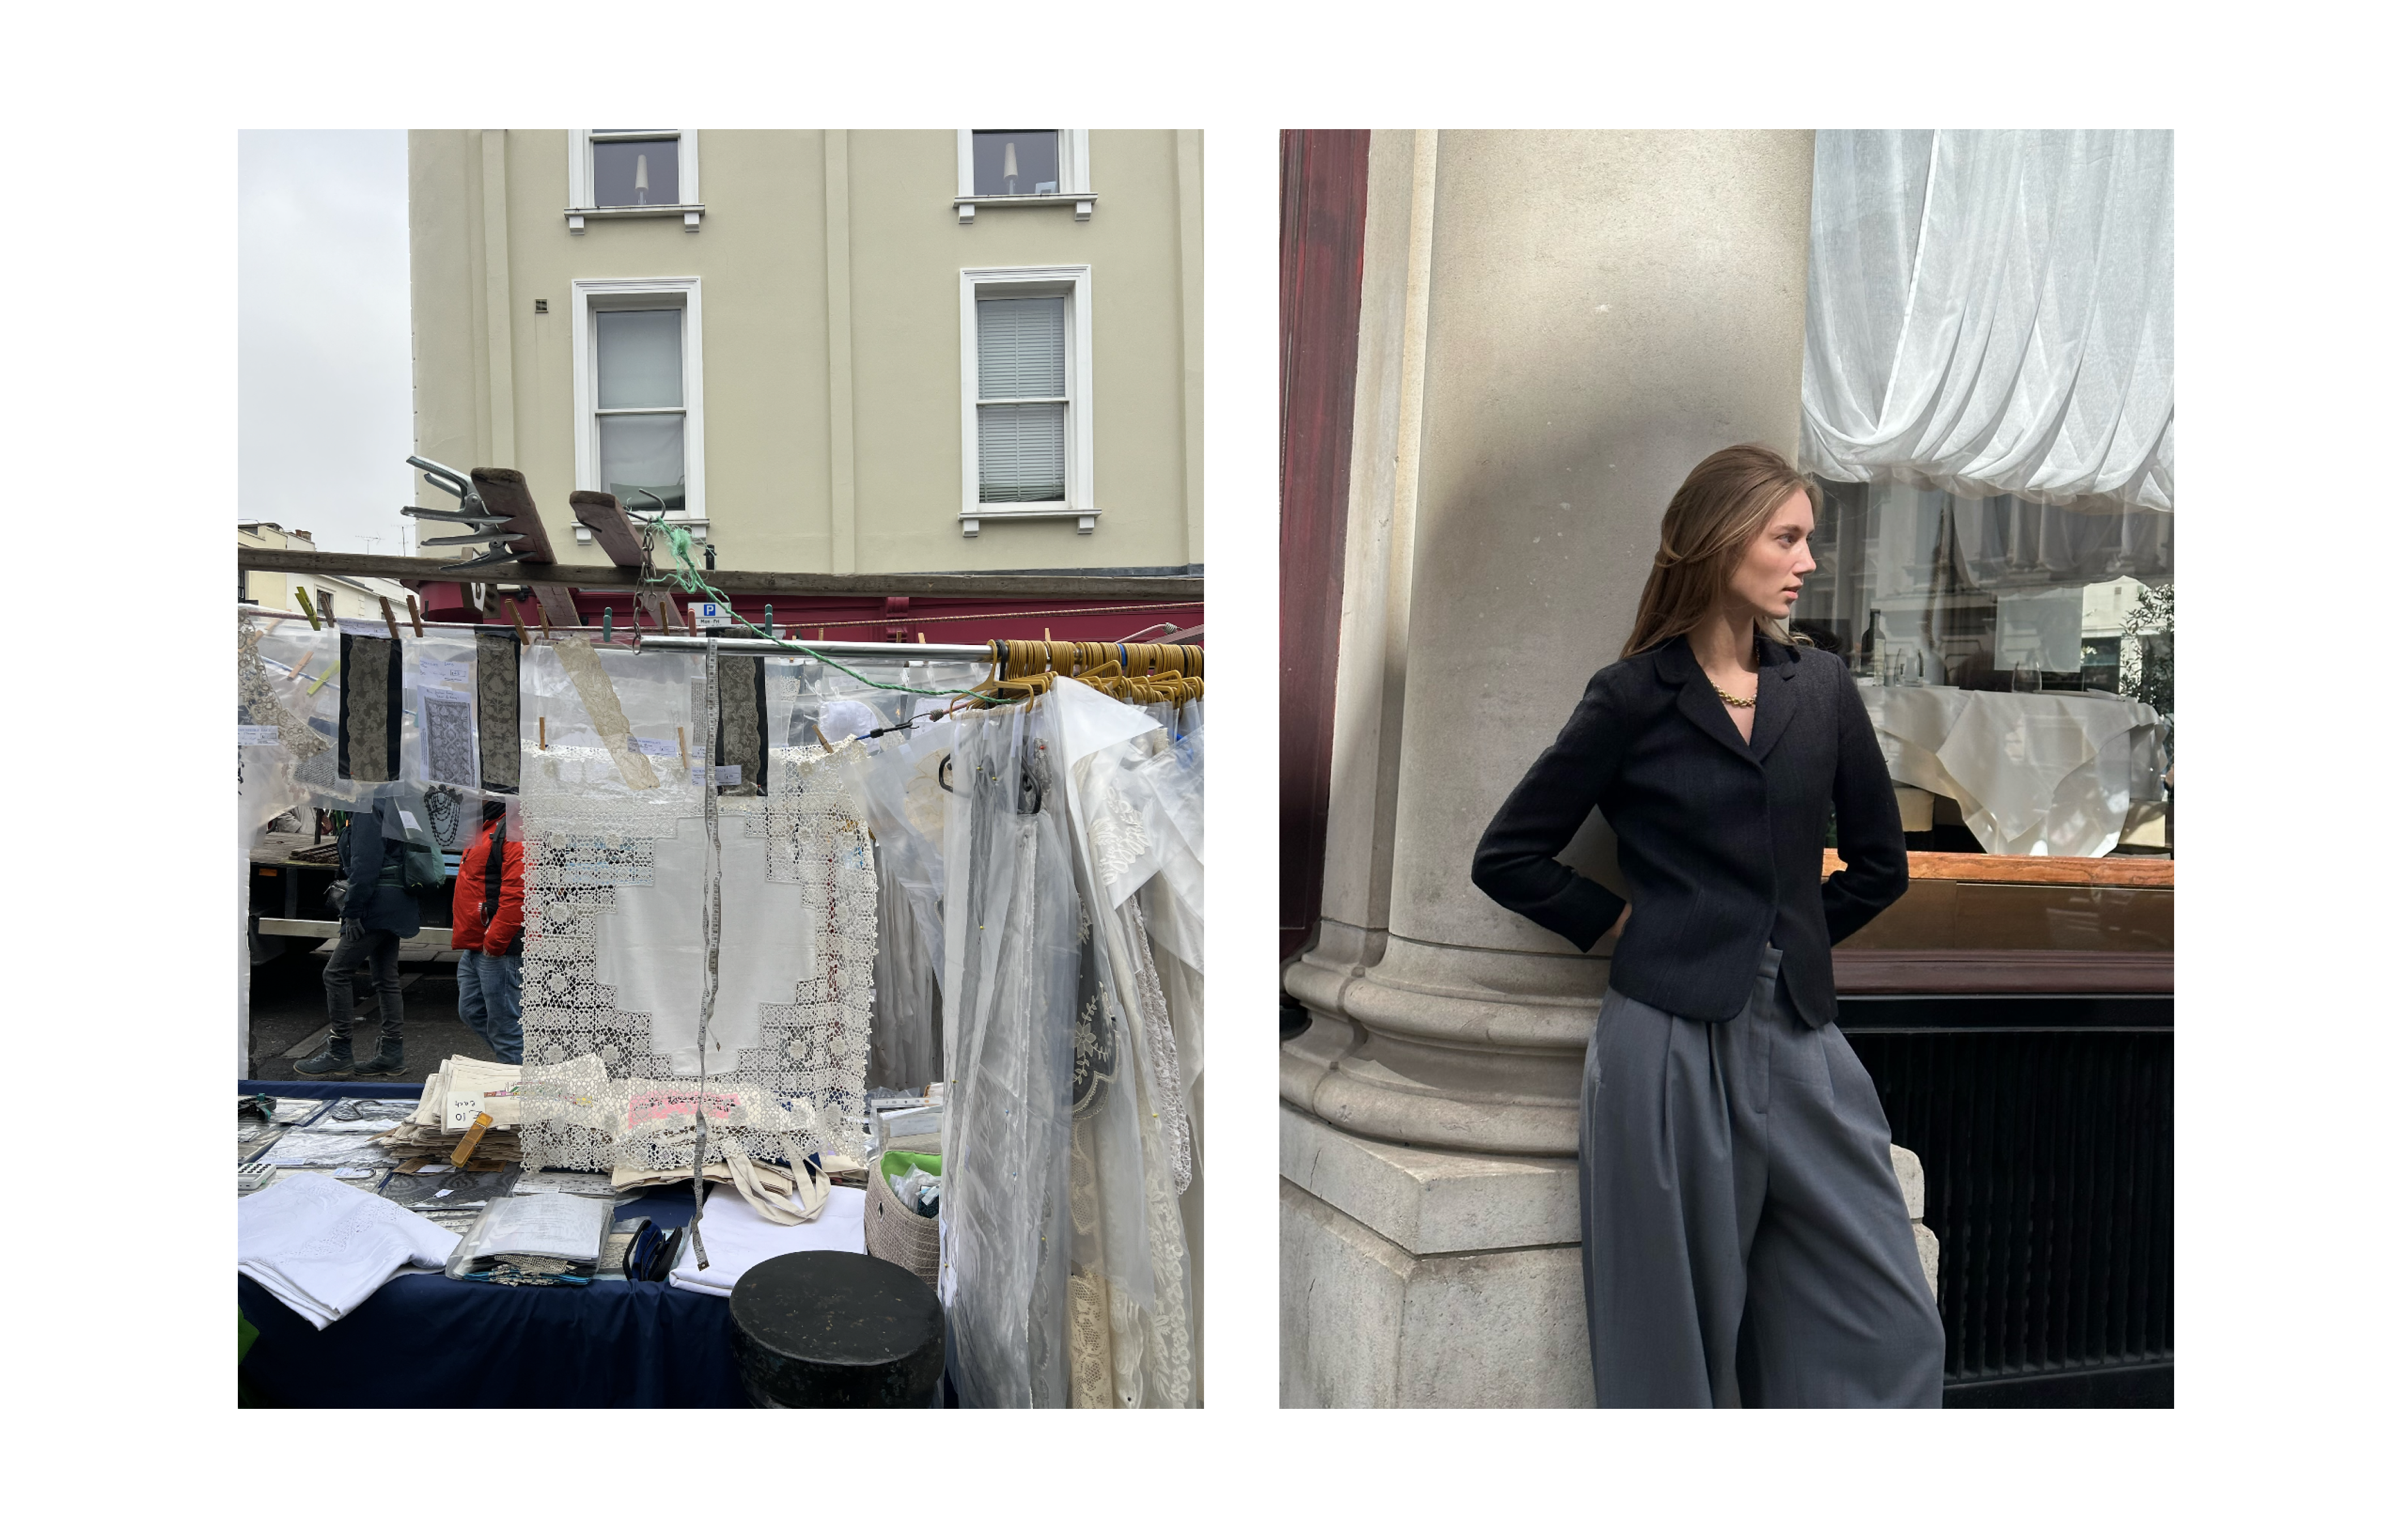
x,y
486,914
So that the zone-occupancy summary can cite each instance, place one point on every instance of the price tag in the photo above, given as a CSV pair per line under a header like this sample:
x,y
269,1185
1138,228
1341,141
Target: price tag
x,y
443,697
653,747
408,821
363,627
726,774
442,672
256,737
459,1110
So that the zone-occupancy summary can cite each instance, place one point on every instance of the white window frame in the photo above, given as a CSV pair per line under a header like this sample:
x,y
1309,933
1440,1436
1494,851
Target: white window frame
x,y
1078,193
1075,284
588,296
581,205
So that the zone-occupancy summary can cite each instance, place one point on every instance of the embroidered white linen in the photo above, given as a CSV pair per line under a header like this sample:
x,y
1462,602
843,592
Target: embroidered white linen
x,y
323,1247
737,1238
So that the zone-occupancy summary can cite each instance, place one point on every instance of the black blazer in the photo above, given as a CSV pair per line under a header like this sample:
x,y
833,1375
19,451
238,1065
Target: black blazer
x,y
1721,838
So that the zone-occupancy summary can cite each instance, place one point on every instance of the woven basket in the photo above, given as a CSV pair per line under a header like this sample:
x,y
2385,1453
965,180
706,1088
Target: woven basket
x,y
894,1232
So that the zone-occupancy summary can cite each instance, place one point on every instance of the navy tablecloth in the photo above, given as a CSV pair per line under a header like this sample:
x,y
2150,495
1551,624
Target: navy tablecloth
x,y
429,1341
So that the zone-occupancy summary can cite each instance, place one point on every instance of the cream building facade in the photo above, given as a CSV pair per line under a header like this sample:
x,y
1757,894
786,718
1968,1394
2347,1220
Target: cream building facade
x,y
335,598
825,350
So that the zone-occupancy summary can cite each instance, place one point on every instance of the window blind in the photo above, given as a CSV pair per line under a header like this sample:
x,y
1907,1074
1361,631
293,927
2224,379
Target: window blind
x,y
1023,398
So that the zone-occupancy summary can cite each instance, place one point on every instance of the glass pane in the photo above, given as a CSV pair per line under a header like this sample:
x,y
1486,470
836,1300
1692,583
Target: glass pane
x,y
1020,453
2016,658
643,462
1016,162
635,173
1020,346
641,361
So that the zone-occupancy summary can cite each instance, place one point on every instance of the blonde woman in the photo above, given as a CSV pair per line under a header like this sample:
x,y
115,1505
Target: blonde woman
x,y
1743,1238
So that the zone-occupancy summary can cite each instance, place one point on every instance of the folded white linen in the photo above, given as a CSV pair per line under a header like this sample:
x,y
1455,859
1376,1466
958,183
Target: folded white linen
x,y
321,1246
737,1238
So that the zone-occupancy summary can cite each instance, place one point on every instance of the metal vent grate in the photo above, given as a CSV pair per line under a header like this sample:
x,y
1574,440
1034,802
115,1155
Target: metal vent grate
x,y
2048,1161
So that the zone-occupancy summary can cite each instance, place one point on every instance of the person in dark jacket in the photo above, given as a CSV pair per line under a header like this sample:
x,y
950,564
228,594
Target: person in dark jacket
x,y
487,910
378,912
1744,1240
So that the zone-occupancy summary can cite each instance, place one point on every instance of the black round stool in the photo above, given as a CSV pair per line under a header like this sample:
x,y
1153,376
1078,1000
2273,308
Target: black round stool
x,y
830,1329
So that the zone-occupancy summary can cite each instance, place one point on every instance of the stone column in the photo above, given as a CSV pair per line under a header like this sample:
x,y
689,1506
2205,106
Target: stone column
x,y
1597,311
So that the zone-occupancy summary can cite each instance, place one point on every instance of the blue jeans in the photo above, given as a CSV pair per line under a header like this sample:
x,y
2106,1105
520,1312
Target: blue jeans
x,y
489,1001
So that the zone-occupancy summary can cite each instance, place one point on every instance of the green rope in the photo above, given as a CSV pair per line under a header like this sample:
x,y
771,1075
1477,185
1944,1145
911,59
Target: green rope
x,y
689,578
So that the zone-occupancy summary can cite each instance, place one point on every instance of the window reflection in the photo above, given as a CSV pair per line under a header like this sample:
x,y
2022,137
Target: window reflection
x,y
2066,610
635,173
1016,162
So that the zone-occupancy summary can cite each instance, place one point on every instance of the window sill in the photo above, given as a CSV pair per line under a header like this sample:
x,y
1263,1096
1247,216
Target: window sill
x,y
698,526
1086,517
1081,204
690,212
2029,869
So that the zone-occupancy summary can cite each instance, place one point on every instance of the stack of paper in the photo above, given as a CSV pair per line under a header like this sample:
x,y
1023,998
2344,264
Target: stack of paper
x,y
323,1247
460,1088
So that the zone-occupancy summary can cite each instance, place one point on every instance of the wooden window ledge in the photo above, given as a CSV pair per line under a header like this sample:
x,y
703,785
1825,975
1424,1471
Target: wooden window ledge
x,y
2029,869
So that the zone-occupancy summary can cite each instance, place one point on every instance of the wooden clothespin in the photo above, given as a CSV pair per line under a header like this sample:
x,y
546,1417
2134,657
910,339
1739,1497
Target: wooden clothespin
x,y
307,608
683,766
686,614
825,744
539,740
509,605
391,628
543,619
823,632
921,637
417,625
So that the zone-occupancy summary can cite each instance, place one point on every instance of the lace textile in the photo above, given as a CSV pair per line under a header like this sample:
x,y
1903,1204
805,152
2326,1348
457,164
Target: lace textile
x,y
260,704
497,710
368,737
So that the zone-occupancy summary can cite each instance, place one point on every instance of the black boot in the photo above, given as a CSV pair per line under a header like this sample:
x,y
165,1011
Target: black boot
x,y
333,1057
388,1058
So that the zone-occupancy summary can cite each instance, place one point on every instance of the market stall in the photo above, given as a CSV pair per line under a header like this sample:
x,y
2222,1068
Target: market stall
x,y
762,878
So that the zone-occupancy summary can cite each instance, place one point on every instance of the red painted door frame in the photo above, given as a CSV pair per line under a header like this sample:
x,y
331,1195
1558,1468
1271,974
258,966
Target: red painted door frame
x,y
1324,178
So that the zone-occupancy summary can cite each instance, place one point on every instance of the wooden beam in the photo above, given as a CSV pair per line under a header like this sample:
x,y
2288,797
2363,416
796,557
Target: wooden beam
x,y
617,578
558,607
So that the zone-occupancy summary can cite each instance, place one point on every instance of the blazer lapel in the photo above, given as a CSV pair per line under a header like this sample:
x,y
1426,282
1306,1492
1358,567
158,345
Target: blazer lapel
x,y
1676,666
1776,697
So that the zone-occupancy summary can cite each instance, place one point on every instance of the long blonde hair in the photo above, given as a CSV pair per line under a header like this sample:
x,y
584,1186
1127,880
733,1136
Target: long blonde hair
x,y
1716,515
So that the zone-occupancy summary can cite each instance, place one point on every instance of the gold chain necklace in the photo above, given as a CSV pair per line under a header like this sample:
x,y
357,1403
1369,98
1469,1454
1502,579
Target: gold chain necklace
x,y
1734,701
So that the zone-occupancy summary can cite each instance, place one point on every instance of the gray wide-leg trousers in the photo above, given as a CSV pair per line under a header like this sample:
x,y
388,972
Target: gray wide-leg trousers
x,y
1743,1238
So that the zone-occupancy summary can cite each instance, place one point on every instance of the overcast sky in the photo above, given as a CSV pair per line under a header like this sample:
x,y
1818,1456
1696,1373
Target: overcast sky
x,y
324,280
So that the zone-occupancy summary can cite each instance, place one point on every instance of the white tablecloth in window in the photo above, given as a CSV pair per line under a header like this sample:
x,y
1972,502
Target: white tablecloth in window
x,y
2035,774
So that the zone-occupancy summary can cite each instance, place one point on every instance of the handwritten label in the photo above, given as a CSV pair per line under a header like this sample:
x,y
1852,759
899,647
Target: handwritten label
x,y
363,627
653,747
444,697
459,1110
727,774
256,737
442,672
661,1106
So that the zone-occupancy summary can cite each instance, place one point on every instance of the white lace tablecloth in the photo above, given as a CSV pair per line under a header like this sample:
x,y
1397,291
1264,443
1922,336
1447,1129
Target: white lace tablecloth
x,y
2034,773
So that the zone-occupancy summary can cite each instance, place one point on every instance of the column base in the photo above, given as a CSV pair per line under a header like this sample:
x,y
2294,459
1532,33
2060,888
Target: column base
x,y
1416,1277
1425,1278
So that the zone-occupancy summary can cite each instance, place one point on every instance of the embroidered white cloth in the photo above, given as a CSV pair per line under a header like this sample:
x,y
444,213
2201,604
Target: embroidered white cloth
x,y
737,1238
321,1246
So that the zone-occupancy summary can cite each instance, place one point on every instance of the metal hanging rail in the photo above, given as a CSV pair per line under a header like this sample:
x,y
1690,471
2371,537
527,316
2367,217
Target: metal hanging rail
x,y
907,651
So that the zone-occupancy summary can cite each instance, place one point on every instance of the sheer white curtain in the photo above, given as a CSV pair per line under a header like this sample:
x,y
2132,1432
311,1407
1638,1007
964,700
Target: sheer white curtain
x,y
1992,313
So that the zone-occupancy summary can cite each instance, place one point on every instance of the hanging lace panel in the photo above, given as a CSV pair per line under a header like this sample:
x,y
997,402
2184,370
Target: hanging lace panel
x,y
617,943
